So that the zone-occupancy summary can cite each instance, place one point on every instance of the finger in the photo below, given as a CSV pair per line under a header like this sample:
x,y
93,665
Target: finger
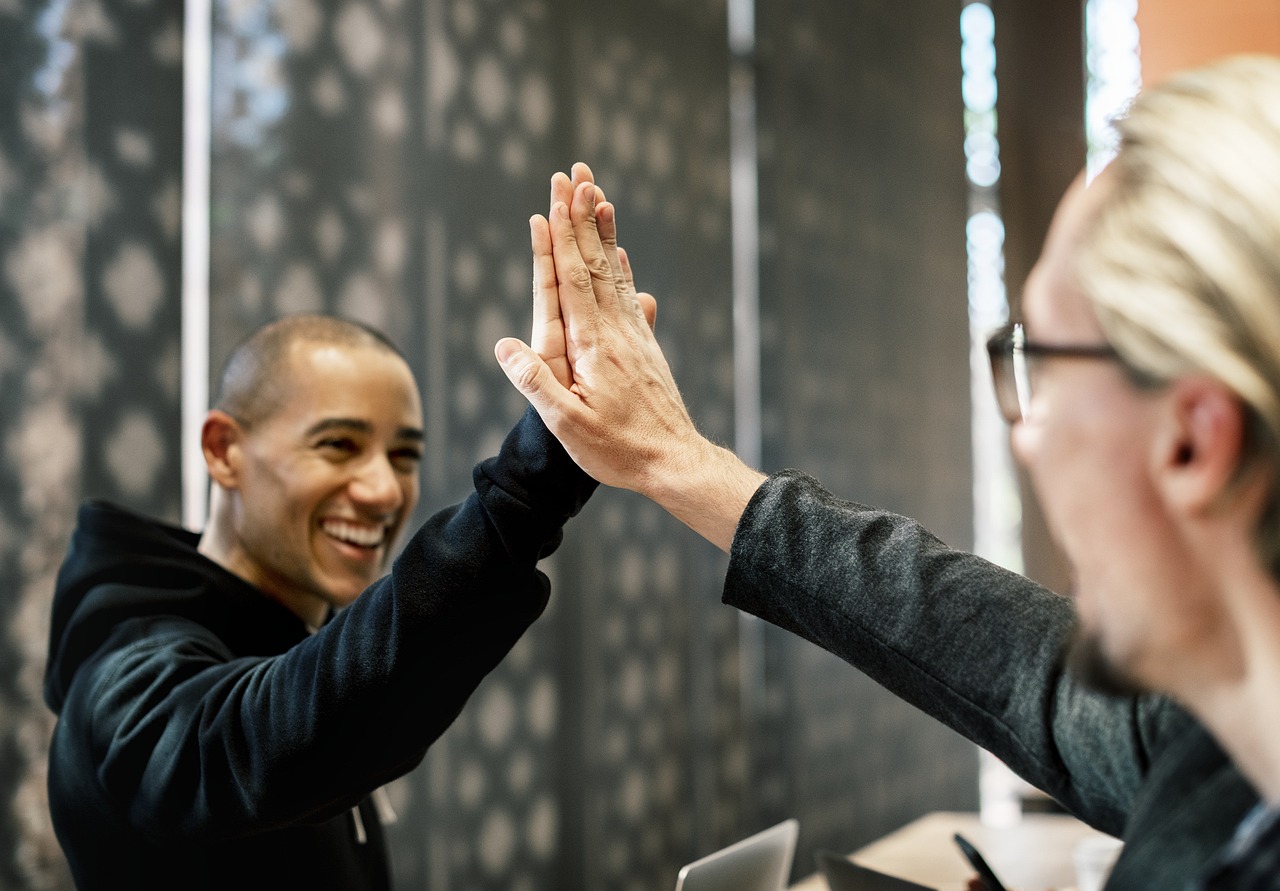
x,y
649,307
546,300
646,305
562,186
607,226
581,173
578,304
561,190
583,217
625,260
548,339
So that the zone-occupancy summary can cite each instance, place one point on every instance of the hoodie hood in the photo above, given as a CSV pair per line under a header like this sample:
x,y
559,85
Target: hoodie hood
x,y
121,565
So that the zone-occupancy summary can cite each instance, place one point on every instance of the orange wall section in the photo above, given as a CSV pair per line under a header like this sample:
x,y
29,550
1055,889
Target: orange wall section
x,y
1177,34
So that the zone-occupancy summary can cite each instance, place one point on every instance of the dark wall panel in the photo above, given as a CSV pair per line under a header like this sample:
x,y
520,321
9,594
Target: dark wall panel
x,y
866,359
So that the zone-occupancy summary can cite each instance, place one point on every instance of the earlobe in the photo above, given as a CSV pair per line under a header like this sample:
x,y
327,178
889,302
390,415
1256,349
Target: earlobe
x,y
220,437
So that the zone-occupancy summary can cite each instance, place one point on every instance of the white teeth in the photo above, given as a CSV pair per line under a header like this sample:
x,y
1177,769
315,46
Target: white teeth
x,y
352,533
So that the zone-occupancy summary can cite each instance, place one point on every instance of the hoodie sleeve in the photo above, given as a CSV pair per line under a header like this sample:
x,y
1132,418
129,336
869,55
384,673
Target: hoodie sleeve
x,y
192,742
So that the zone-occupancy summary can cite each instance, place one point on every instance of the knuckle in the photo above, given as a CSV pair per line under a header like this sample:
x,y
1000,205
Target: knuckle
x,y
527,377
600,268
580,275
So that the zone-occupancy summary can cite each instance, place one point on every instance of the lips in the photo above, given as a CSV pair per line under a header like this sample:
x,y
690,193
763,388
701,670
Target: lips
x,y
360,535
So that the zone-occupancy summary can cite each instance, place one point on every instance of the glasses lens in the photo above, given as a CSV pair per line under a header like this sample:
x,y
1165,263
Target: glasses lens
x,y
1003,374
1021,371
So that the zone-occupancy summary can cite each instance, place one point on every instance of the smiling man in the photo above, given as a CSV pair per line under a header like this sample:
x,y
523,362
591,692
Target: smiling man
x,y
230,704
1143,385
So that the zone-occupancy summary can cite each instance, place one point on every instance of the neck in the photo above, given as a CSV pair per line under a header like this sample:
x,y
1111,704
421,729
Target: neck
x,y
1241,705
220,544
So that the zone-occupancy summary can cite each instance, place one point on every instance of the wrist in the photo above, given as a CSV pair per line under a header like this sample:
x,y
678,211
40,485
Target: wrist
x,y
705,486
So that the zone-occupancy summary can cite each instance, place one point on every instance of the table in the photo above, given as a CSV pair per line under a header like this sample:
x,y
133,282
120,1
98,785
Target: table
x,y
1033,855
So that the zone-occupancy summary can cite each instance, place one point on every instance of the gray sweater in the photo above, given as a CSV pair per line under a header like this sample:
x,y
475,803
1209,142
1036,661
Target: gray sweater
x,y
980,649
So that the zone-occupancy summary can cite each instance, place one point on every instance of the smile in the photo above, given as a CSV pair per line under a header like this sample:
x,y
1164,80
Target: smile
x,y
357,534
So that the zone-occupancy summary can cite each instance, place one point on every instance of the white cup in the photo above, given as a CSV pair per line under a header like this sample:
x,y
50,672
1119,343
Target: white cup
x,y
1094,856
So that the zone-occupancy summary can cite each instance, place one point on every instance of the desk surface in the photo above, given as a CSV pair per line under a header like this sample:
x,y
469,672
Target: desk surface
x,y
1033,855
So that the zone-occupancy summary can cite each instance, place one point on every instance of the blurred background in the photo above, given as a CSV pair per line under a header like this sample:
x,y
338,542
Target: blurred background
x,y
817,191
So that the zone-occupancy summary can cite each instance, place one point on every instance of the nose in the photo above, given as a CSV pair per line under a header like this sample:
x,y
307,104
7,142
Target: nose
x,y
377,486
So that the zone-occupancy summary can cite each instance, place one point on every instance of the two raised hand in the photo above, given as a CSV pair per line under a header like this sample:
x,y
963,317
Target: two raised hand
x,y
605,389
598,377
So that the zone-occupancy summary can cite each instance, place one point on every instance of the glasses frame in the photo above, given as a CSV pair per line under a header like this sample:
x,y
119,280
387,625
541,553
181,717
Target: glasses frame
x,y
1009,351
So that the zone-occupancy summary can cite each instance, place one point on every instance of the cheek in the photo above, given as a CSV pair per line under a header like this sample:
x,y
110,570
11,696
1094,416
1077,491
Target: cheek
x,y
1022,442
409,488
1054,461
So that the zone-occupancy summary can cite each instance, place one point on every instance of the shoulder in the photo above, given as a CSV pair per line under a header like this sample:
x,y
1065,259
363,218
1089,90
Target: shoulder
x,y
1252,859
151,652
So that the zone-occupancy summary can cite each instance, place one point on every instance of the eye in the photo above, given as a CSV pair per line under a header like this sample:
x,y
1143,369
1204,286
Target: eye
x,y
338,446
406,460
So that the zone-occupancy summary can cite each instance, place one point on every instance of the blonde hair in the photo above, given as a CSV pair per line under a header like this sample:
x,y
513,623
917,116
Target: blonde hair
x,y
1182,260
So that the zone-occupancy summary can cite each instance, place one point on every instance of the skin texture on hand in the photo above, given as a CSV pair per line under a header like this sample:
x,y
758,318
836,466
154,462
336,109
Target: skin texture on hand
x,y
603,386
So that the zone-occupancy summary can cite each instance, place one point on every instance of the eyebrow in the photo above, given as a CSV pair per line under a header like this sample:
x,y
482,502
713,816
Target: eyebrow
x,y
327,424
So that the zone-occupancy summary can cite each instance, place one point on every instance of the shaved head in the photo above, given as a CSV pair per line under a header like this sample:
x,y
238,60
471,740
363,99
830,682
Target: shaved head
x,y
255,383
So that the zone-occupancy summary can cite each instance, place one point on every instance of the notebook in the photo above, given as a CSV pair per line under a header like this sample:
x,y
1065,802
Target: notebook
x,y
759,863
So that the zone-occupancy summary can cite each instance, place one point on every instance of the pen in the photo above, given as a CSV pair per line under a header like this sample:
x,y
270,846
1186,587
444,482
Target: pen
x,y
985,873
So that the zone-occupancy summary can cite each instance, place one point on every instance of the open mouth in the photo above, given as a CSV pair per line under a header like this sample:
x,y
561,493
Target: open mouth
x,y
358,535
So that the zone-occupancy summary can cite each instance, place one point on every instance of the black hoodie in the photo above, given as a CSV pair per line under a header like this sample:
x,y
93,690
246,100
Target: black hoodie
x,y
206,740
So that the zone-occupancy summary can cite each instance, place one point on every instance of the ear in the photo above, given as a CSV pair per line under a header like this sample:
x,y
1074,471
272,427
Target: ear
x,y
1202,444
221,439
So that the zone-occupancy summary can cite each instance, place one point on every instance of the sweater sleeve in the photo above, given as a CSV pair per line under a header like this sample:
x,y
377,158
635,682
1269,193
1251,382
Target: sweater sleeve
x,y
975,646
194,743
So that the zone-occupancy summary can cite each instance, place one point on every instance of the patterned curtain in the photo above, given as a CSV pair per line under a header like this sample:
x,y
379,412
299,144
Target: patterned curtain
x,y
89,332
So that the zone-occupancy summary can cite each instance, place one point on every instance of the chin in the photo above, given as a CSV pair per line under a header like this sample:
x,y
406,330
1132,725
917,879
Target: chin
x,y
339,596
1088,661
346,598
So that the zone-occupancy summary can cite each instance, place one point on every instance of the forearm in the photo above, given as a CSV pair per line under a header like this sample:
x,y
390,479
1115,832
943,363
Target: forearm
x,y
530,489
971,644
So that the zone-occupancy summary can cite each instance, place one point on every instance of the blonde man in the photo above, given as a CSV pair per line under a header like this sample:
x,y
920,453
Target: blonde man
x,y
1143,390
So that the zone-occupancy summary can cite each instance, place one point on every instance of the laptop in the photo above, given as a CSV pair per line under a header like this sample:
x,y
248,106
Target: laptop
x,y
759,863
842,874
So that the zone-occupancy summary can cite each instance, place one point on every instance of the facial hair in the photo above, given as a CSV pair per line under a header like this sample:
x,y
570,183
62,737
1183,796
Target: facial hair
x,y
1088,663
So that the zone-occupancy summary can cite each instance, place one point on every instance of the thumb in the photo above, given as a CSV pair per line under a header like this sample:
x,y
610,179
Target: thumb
x,y
527,372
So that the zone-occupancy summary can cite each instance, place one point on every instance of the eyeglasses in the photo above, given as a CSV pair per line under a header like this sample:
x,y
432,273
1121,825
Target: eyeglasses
x,y
1013,360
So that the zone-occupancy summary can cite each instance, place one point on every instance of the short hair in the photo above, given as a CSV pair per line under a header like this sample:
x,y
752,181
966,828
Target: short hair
x,y
254,382
1182,259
